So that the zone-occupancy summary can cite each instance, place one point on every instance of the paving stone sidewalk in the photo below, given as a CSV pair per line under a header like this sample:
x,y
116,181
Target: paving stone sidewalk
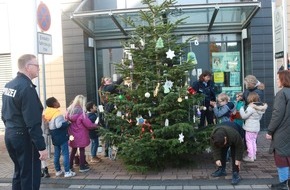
x,y
111,174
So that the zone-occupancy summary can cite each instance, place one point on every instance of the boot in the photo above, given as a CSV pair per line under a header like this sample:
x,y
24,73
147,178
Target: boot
x,y
236,178
44,173
219,172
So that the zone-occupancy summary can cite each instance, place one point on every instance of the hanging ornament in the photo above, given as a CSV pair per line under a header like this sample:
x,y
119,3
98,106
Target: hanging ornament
x,y
130,56
198,112
190,90
181,137
132,46
168,84
191,58
166,123
142,42
179,99
208,149
147,94
170,54
121,96
128,82
71,138
186,97
146,126
149,113
166,90
156,89
159,43
139,120
119,114
101,108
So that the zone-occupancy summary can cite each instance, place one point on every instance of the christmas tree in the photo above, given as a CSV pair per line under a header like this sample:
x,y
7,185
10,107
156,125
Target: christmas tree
x,y
154,120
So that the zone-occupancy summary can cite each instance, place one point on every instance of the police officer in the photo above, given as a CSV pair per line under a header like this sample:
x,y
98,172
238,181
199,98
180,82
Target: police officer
x,y
22,116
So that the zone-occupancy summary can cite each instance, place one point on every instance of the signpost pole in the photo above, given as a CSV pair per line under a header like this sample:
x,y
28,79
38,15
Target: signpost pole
x,y
44,47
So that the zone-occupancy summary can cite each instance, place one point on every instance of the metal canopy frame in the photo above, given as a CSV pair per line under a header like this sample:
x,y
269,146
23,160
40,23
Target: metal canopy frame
x,y
211,18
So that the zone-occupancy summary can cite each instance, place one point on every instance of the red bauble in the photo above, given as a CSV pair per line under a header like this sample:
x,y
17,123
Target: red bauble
x,y
190,90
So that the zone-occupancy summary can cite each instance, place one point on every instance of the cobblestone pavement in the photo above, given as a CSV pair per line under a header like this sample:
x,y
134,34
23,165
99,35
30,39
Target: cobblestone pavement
x,y
111,174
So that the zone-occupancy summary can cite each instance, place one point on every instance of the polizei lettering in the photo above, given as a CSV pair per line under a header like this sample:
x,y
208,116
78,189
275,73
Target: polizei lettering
x,y
9,92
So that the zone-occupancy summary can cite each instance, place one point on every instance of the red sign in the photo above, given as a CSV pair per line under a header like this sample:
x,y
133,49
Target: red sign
x,y
43,17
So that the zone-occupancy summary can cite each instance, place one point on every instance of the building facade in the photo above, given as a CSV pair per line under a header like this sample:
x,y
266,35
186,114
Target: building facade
x,y
87,37
236,34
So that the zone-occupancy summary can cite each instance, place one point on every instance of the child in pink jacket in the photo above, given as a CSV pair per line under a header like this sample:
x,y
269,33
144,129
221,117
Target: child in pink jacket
x,y
79,130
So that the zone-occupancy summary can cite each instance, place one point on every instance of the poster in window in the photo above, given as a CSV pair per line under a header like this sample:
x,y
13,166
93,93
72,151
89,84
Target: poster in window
x,y
226,61
218,77
235,79
231,91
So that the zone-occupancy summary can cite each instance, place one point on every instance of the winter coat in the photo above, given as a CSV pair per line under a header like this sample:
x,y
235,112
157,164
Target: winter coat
x,y
237,117
223,112
58,126
252,116
258,89
234,138
279,126
93,133
205,89
106,90
79,128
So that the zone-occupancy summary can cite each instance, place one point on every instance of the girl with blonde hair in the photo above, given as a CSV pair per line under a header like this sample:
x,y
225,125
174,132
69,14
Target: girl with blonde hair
x,y
79,130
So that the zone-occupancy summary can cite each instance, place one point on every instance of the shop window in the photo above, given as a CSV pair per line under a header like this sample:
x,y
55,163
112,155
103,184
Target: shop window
x,y
226,65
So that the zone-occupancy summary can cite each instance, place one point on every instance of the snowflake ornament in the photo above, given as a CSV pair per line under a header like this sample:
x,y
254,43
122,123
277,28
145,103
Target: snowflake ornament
x,y
170,54
168,84
181,137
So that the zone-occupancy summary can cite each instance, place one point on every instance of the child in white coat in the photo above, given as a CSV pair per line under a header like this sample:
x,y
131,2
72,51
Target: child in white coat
x,y
252,116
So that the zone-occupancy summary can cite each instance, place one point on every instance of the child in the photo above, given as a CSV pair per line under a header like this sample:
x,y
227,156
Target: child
x,y
252,116
91,112
236,117
224,108
58,130
79,130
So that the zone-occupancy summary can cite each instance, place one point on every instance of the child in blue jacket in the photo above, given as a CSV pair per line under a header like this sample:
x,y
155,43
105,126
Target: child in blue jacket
x,y
58,129
92,115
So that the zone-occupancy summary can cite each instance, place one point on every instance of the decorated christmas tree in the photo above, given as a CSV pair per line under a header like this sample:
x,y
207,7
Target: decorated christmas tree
x,y
154,120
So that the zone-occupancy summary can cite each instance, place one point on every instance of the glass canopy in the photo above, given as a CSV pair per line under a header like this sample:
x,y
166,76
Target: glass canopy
x,y
200,18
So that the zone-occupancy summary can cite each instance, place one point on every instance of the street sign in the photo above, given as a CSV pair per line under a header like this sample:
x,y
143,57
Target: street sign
x,y
44,43
43,17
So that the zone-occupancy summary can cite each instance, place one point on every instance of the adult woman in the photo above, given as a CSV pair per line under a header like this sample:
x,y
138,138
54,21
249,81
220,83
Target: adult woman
x,y
279,129
253,85
205,86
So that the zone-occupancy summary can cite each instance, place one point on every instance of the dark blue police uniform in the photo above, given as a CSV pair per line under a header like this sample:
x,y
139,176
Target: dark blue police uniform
x,y
22,116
